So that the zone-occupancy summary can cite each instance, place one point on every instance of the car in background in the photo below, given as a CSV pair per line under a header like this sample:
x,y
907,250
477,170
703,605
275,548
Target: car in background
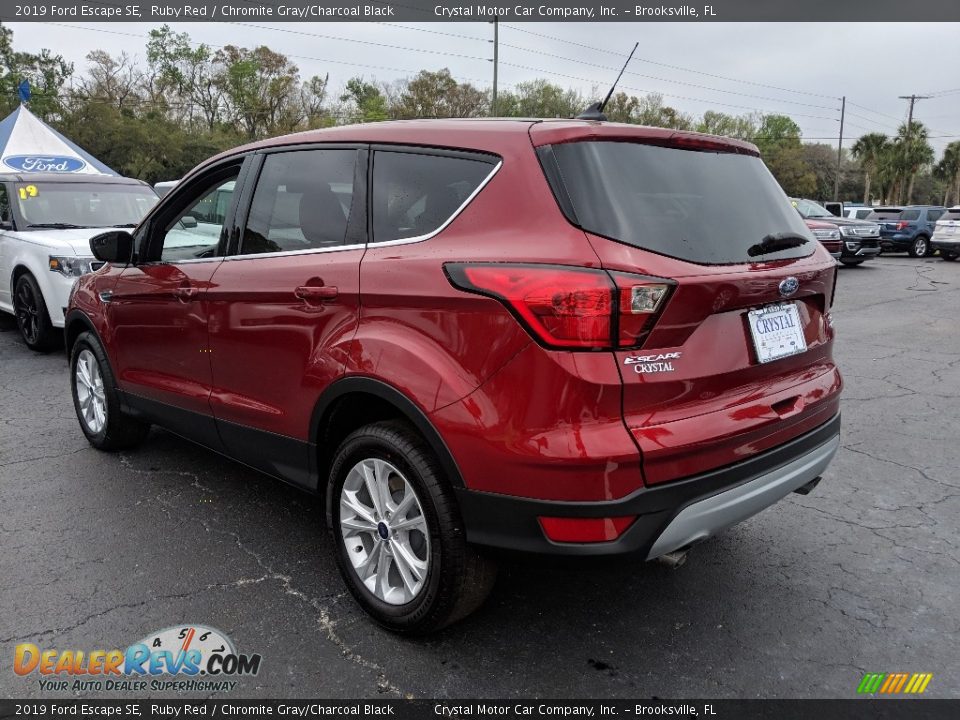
x,y
164,186
563,337
861,238
46,222
907,228
829,236
946,234
857,212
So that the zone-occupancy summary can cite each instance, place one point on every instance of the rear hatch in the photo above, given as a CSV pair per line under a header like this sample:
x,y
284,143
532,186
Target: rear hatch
x,y
737,358
893,220
948,226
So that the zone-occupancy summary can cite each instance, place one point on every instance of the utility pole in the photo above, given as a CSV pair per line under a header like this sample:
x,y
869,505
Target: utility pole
x,y
836,180
496,62
913,99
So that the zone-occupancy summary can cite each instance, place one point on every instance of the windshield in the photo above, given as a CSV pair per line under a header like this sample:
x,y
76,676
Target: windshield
x,y
86,205
810,209
705,207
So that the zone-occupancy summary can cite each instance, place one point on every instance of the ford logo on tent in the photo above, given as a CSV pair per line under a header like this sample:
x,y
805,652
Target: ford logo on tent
x,y
45,163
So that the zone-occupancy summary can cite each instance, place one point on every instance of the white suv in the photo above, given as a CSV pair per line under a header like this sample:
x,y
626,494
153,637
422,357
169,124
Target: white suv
x,y
46,222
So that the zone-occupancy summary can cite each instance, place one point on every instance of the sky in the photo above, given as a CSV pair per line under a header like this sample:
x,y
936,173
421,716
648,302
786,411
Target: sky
x,y
800,69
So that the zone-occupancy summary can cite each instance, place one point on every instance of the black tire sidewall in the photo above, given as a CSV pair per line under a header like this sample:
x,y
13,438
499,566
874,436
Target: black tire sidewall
x,y
363,445
46,338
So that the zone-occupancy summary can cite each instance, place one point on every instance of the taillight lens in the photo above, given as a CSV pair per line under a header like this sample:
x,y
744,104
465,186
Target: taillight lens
x,y
570,307
903,225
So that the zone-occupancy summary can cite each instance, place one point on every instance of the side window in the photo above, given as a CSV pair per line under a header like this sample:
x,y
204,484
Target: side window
x,y
195,231
414,195
934,215
302,201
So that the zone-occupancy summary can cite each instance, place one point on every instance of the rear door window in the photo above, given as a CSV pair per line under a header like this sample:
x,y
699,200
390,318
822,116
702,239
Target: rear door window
x,y
702,206
910,215
934,215
415,195
302,201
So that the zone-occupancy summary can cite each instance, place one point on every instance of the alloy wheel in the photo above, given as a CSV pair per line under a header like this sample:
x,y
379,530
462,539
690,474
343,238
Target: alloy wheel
x,y
384,531
920,247
90,396
27,312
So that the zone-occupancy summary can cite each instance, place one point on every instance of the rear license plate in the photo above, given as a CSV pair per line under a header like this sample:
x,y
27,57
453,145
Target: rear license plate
x,y
776,332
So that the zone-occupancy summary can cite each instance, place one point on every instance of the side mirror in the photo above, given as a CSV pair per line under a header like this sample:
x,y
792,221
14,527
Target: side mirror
x,y
188,221
115,246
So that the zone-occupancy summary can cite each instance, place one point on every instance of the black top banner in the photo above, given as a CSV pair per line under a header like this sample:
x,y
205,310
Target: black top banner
x,y
502,709
451,11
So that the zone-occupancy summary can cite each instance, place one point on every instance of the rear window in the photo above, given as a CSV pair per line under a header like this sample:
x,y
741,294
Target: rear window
x,y
952,214
885,214
700,206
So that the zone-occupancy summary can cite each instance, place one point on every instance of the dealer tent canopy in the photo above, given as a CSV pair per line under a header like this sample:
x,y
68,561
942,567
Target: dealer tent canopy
x,y
27,145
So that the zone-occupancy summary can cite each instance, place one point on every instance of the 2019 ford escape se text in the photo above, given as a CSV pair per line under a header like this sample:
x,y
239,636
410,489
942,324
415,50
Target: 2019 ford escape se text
x,y
561,337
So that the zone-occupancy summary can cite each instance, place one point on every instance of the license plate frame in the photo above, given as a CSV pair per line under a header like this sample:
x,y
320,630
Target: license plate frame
x,y
780,339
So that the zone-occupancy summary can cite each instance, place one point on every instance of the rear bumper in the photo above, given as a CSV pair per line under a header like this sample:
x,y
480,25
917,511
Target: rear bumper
x,y
949,245
668,516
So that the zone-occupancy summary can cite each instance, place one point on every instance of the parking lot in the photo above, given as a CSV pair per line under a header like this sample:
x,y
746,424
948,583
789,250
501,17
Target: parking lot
x,y
860,576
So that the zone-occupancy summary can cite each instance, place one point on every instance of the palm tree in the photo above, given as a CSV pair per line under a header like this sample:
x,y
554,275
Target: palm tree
x,y
914,152
869,150
948,170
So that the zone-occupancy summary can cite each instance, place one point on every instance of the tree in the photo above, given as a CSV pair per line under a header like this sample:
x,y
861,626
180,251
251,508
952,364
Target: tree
x,y
914,152
540,98
184,74
368,101
438,94
742,127
948,170
47,74
115,81
869,150
260,88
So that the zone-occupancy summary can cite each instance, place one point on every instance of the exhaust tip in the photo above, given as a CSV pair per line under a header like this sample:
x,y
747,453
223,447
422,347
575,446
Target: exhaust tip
x,y
808,488
673,559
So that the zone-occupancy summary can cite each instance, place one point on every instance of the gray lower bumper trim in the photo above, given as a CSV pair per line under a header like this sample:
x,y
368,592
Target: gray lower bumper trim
x,y
707,517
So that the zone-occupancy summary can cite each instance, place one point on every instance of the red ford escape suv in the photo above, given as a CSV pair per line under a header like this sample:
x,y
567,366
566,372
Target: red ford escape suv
x,y
559,337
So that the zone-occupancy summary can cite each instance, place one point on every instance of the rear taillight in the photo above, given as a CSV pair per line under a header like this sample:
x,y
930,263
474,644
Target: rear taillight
x,y
903,225
570,307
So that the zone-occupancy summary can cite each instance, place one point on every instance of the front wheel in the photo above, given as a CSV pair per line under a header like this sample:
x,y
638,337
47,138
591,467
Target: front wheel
x,y
949,256
33,320
97,401
920,247
401,545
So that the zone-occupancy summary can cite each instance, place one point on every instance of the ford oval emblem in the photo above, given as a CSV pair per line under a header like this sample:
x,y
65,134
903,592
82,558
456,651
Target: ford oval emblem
x,y
44,163
788,286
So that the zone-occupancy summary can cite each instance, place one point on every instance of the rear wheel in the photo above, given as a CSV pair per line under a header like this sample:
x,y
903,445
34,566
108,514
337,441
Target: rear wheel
x,y
33,320
401,545
920,247
96,400
949,256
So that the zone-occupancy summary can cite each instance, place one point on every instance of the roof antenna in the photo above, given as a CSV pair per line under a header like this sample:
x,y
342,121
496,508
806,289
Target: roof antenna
x,y
595,111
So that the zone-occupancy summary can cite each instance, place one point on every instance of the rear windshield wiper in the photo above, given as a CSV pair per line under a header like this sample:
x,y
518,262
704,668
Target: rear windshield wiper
x,y
775,242
56,226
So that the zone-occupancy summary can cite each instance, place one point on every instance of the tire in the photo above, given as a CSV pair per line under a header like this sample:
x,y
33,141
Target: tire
x,y
96,400
949,256
852,263
920,247
33,320
448,579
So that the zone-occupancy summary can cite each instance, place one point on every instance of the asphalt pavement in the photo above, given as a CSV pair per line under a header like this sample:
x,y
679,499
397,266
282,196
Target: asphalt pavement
x,y
863,575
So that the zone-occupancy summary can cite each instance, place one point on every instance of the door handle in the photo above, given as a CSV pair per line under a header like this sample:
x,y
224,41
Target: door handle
x,y
316,292
185,294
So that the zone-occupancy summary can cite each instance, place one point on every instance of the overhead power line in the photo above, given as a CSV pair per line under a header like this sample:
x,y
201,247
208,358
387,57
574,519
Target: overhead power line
x,y
673,67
